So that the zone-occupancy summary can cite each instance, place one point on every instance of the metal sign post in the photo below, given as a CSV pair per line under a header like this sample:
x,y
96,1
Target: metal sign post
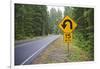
x,y
67,25
68,40
68,48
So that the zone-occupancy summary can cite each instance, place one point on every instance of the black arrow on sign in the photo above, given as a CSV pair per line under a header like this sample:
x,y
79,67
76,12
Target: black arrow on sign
x,y
64,24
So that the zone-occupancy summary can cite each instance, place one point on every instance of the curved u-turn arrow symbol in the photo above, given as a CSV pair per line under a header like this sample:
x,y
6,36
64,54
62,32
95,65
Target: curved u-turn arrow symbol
x,y
64,23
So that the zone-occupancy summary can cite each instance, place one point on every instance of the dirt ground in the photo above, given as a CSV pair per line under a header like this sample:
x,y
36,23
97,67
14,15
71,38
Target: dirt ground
x,y
57,52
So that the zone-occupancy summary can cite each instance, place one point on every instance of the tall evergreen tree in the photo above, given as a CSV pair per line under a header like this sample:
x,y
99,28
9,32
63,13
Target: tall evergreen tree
x,y
30,21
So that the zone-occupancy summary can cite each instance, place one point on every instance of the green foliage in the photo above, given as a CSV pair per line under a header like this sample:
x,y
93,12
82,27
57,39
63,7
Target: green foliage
x,y
87,45
54,18
68,12
84,33
30,21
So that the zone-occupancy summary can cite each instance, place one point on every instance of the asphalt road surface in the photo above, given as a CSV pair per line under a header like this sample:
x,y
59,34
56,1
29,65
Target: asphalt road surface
x,y
26,52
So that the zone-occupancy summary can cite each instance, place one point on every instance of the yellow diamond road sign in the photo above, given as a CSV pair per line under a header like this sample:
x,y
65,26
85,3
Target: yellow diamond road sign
x,y
67,25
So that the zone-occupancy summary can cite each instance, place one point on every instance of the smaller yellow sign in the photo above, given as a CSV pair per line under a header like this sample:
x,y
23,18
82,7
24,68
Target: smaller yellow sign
x,y
67,37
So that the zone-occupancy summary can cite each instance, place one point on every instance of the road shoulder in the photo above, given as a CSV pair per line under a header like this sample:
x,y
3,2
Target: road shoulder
x,y
57,52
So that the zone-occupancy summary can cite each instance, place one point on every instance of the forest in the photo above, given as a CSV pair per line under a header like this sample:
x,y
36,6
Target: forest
x,y
35,20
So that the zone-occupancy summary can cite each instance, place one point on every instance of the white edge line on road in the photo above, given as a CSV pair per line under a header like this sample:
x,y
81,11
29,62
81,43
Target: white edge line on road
x,y
36,52
21,45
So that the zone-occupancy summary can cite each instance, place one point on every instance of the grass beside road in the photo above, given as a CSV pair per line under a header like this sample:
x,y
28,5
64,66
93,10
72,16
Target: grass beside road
x,y
57,52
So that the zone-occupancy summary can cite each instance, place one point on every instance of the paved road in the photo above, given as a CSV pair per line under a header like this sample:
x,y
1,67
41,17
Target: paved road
x,y
25,53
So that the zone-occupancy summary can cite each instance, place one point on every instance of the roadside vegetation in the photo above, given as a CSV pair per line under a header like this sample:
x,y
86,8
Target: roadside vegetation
x,y
57,52
33,21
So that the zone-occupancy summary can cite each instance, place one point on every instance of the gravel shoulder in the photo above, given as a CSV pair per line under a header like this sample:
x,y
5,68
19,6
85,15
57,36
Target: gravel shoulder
x,y
57,52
